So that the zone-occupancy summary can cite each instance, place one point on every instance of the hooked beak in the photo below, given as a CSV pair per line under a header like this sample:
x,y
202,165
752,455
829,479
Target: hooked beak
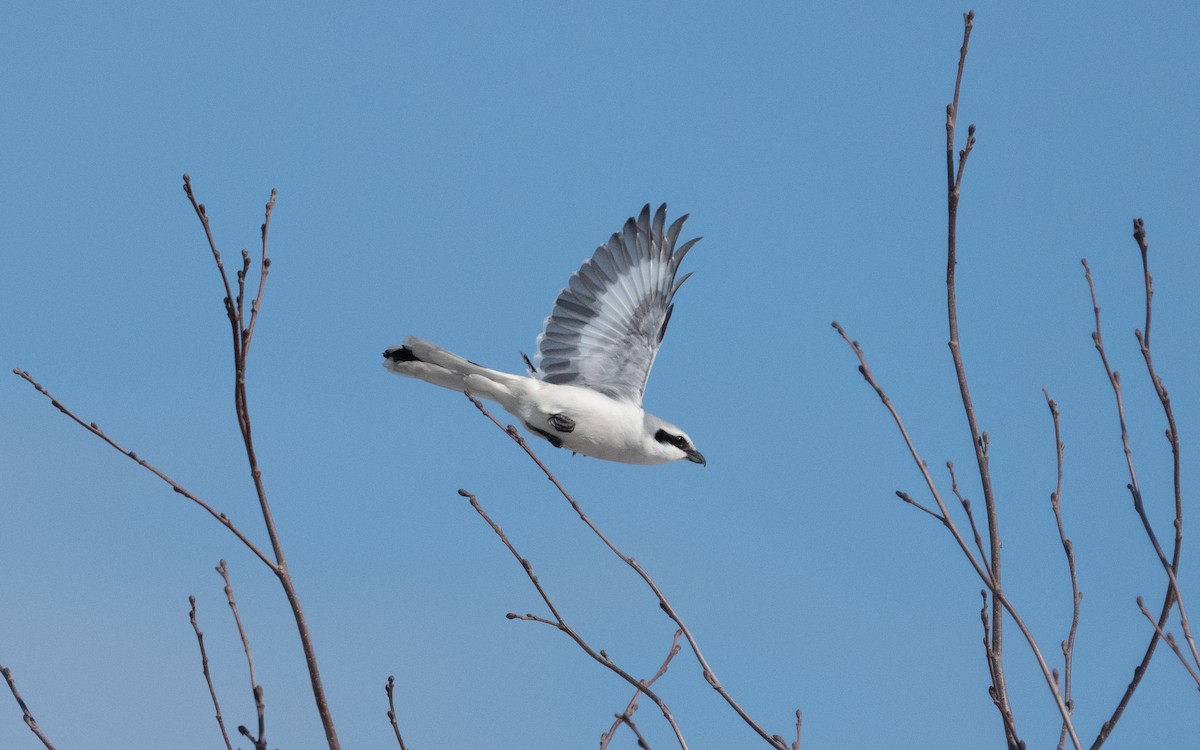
x,y
694,456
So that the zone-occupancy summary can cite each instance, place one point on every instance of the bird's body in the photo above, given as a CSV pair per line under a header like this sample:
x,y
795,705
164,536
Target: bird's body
x,y
594,355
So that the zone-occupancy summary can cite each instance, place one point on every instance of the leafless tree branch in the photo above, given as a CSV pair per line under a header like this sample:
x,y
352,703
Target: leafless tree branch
x,y
25,714
1170,640
1068,646
709,676
260,741
560,624
391,714
632,707
207,675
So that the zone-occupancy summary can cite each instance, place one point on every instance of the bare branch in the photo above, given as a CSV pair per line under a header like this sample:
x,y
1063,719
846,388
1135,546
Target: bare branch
x,y
799,719
25,714
1114,379
93,428
559,623
207,676
709,676
631,708
980,570
260,742
1170,640
1068,646
391,714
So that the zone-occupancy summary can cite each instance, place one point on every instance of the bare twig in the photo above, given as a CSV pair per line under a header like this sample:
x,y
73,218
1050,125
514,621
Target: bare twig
x,y
709,676
391,714
25,714
1170,640
1068,646
207,676
1114,379
799,719
966,504
93,428
628,721
1006,716
559,623
260,742
944,518
631,708
243,333
954,179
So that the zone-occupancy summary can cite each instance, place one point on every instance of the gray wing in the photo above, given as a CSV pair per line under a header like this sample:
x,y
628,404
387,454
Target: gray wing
x,y
607,325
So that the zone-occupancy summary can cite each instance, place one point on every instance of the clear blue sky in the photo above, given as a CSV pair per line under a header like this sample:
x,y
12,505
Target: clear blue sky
x,y
442,169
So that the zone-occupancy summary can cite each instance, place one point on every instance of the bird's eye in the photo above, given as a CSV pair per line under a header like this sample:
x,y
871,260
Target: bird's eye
x,y
681,441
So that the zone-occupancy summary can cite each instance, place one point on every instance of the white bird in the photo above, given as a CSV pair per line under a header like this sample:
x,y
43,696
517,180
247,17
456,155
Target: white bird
x,y
593,356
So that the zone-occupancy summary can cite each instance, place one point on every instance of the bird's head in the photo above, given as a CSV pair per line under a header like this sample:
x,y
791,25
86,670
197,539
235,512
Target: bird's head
x,y
669,443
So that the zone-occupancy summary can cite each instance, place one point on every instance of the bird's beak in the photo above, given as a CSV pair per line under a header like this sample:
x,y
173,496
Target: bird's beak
x,y
694,456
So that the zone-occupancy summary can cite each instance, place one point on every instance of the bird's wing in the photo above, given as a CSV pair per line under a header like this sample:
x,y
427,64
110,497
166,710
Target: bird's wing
x,y
607,325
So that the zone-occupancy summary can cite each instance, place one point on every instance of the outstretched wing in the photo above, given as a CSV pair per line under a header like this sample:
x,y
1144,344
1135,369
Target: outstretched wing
x,y
607,325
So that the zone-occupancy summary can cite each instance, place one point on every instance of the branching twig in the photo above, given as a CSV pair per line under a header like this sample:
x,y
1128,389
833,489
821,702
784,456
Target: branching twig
x,y
28,717
665,605
1068,646
631,708
944,518
207,676
559,623
1170,640
1114,379
391,714
93,428
260,742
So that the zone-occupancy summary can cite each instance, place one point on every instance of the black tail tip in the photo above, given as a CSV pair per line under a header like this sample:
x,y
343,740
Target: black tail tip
x,y
400,354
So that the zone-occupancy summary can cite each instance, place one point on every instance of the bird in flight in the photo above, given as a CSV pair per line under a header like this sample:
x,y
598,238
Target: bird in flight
x,y
593,356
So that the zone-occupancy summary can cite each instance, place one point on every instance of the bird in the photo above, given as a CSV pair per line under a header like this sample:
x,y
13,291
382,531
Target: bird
x,y
594,354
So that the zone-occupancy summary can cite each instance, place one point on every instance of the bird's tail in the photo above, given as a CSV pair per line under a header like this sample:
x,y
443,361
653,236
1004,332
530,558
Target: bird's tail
x,y
417,358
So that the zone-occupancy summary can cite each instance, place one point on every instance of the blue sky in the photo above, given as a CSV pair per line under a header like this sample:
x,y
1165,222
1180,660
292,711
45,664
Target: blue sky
x,y
442,169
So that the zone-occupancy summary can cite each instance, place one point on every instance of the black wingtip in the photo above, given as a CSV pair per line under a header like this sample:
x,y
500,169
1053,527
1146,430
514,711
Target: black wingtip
x,y
400,354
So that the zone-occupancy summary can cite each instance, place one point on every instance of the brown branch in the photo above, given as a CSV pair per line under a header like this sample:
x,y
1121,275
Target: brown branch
x,y
944,518
632,707
1068,646
25,714
260,742
1114,379
709,676
242,335
560,624
1170,639
966,504
1010,728
391,714
628,720
93,428
978,439
799,719
207,676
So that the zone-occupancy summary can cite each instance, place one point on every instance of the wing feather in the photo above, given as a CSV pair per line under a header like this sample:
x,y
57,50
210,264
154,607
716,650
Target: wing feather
x,y
607,325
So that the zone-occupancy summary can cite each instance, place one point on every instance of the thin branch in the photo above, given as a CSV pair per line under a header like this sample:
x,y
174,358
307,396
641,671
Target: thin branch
x,y
559,623
1068,646
1114,379
631,708
1010,729
709,676
945,519
93,428
1170,640
966,504
628,720
799,719
242,335
260,742
25,714
978,439
207,676
391,714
